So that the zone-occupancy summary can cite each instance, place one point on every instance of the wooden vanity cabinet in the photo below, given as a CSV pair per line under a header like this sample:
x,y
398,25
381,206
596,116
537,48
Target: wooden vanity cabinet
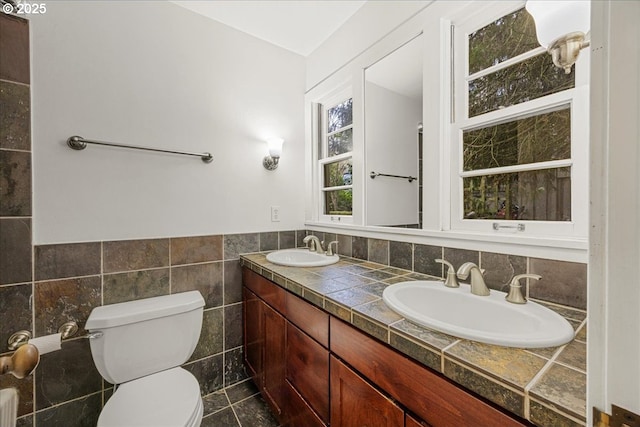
x,y
264,339
314,370
433,398
286,352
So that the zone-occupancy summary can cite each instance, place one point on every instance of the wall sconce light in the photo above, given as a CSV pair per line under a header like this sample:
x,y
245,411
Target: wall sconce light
x,y
561,27
274,145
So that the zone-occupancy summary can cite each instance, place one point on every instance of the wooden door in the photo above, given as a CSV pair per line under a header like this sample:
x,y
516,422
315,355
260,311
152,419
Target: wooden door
x,y
355,403
274,358
308,370
253,335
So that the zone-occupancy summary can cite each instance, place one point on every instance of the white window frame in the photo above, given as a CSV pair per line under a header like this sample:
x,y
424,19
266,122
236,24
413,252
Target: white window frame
x,y
321,159
576,98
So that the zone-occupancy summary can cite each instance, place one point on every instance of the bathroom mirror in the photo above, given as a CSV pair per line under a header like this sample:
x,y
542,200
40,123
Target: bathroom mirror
x,y
393,137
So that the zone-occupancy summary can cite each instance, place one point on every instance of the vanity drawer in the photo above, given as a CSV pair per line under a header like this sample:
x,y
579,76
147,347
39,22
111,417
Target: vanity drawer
x,y
313,321
271,293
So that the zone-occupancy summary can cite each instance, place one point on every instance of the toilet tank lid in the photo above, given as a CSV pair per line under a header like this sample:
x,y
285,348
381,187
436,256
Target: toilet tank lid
x,y
109,316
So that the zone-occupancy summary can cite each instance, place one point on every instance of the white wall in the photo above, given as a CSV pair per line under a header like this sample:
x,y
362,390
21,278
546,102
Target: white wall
x,y
153,73
391,138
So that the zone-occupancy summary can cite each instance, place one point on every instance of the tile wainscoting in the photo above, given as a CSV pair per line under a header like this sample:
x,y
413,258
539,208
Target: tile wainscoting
x,y
71,279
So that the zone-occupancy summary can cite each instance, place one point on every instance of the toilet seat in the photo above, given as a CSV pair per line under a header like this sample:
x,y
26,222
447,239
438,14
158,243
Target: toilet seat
x,y
169,398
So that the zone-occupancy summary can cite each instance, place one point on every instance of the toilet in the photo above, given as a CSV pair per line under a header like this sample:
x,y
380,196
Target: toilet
x,y
139,346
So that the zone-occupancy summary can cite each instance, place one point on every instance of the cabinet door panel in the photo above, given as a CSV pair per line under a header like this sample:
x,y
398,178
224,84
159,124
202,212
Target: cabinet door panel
x,y
355,403
308,369
274,358
299,413
253,335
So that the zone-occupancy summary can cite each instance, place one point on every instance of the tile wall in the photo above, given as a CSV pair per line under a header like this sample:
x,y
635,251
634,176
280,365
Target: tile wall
x,y
71,279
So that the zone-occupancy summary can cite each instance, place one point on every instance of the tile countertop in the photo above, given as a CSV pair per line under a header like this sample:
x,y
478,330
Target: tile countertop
x,y
546,386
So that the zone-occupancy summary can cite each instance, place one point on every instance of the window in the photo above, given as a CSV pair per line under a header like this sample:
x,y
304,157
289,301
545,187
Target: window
x,y
519,131
335,153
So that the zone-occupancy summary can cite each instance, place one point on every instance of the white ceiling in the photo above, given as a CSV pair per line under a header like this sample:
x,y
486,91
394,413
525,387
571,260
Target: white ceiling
x,y
297,25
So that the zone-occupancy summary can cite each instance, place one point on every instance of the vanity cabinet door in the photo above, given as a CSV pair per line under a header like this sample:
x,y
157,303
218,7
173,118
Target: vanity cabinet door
x,y
297,410
264,328
274,358
253,335
355,403
308,370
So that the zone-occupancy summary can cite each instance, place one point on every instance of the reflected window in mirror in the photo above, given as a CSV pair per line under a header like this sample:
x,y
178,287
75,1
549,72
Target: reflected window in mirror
x,y
519,131
336,159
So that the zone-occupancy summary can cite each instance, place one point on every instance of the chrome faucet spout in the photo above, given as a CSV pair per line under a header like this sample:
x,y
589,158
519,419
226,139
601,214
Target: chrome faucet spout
x,y
314,244
478,286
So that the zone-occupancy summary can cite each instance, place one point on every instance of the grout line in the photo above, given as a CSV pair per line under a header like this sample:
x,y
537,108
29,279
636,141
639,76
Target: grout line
x,y
442,354
15,83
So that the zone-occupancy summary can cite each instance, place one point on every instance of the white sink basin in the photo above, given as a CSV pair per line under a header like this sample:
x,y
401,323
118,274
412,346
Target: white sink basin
x,y
301,258
489,319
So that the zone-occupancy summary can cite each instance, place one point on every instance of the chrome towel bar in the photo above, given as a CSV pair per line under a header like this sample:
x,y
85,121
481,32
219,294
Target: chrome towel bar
x,y
374,174
79,143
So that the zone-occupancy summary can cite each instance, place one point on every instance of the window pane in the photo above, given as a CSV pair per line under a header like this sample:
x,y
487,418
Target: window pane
x,y
338,173
535,139
524,81
505,38
543,195
340,143
340,116
338,202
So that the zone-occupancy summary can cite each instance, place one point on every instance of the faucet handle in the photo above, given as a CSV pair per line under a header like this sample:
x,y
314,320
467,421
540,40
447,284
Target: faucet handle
x,y
330,251
515,289
452,279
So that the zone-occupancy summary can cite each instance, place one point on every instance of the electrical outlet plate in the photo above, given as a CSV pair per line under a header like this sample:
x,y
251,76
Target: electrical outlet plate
x,y
275,213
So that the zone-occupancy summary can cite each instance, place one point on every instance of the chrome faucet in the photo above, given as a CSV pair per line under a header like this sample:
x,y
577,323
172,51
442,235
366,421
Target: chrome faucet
x,y
451,280
478,287
314,244
515,289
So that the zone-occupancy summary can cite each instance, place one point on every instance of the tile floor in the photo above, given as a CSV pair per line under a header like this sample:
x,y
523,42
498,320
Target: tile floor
x,y
239,405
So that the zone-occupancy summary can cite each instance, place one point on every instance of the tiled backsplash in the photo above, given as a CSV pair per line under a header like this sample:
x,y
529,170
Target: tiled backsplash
x,y
562,282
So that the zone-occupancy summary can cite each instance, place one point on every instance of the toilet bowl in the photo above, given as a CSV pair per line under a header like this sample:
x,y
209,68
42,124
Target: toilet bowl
x,y
170,398
140,345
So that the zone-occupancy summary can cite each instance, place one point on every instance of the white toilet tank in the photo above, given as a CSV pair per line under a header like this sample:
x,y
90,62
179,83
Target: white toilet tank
x,y
137,338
